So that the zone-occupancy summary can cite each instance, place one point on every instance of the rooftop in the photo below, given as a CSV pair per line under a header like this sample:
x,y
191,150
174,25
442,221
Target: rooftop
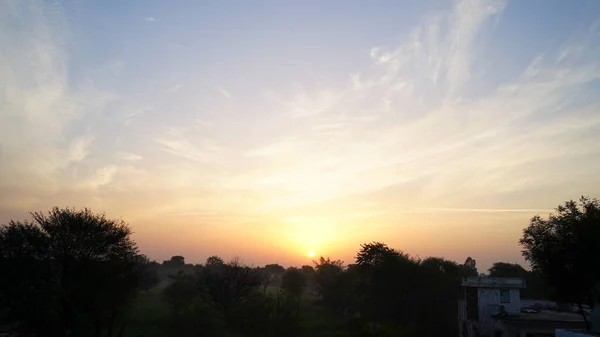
x,y
494,282
549,316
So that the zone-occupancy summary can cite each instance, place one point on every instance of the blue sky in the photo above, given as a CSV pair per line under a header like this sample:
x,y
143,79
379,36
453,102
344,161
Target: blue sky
x,y
268,129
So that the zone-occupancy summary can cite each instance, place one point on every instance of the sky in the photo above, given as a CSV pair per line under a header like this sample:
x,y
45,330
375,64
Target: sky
x,y
271,129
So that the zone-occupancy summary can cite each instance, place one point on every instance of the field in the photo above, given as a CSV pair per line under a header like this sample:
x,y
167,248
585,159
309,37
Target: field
x,y
148,308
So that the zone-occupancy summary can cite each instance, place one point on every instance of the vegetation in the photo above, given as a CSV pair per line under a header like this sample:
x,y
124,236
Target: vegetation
x,y
564,249
76,273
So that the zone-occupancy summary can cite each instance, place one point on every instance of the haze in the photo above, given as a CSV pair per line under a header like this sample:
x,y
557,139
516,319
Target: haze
x,y
275,129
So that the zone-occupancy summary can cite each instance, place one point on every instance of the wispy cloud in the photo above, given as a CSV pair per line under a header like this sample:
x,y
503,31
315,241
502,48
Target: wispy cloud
x,y
488,210
271,149
149,19
224,92
178,142
173,89
424,128
128,156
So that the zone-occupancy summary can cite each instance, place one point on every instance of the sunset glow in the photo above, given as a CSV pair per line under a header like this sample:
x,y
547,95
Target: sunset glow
x,y
287,129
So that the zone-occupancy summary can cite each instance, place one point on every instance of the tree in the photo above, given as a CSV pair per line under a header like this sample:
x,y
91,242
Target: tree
x,y
307,270
565,247
274,269
503,269
226,286
293,281
406,296
148,274
188,316
537,287
71,272
176,261
373,254
214,261
329,278
469,268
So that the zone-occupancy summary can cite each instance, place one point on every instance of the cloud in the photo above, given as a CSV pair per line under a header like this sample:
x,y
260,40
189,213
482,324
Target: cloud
x,y
40,108
128,156
412,118
416,129
271,149
488,210
173,89
79,149
149,19
203,123
224,92
307,104
178,142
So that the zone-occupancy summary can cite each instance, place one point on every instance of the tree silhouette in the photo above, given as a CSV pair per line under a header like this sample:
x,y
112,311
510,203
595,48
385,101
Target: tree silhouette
x,y
503,269
226,286
71,272
469,268
214,261
293,281
565,248
148,273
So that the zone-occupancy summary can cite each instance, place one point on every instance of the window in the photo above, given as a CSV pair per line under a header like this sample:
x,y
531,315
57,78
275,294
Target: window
x,y
504,296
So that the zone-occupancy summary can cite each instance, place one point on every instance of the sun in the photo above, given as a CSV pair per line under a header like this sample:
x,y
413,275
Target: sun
x,y
311,253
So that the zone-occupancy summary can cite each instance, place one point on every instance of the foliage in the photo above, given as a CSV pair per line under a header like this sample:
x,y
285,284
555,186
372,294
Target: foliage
x,y
331,283
537,287
214,260
469,268
274,269
226,286
188,315
175,261
149,277
564,249
405,295
503,269
293,281
72,272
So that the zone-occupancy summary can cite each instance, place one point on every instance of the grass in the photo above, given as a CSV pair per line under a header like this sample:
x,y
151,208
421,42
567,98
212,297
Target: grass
x,y
148,308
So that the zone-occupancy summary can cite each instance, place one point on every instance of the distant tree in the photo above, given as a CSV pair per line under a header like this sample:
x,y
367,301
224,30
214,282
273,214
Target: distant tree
x,y
274,272
329,278
72,272
537,287
373,254
188,315
307,269
176,261
181,292
226,286
293,281
274,269
402,295
214,260
503,269
565,248
469,268
269,315
148,273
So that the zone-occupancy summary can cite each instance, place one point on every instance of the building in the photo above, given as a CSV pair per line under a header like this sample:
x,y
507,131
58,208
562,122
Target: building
x,y
491,306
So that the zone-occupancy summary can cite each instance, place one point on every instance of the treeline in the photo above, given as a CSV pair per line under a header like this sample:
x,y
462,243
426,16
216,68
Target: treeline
x,y
385,293
76,273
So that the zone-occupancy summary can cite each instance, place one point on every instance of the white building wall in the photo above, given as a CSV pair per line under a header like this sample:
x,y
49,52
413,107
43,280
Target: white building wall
x,y
514,307
489,304
489,301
